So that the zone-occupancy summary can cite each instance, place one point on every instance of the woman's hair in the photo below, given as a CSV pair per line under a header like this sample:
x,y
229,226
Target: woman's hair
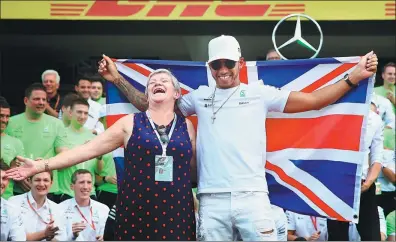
x,y
175,82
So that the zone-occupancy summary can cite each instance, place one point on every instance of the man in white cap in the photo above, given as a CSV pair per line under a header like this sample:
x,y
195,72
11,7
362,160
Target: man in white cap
x,y
232,187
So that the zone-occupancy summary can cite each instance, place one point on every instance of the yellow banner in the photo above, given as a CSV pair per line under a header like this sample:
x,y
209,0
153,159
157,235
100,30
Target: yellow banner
x,y
194,10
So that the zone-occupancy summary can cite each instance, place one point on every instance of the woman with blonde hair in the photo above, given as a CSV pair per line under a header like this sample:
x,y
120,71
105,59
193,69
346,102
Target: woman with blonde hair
x,y
155,200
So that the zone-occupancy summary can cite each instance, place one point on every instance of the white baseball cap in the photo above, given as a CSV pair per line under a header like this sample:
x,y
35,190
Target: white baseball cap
x,y
224,47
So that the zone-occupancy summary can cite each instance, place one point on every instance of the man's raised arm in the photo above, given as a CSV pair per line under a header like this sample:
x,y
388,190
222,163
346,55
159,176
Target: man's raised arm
x,y
301,102
108,70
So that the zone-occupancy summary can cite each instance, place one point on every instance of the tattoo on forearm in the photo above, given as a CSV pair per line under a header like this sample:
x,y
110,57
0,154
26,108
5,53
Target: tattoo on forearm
x,y
137,98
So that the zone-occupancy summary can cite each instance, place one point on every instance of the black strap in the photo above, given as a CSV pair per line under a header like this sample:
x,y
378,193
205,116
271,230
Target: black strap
x,y
349,82
300,239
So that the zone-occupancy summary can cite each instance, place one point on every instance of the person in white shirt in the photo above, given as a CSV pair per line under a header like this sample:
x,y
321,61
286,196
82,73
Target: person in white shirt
x,y
368,226
85,218
40,215
12,228
280,222
387,180
354,234
384,110
237,176
305,228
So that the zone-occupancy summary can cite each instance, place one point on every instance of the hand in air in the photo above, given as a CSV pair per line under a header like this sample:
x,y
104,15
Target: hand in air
x,y
107,69
366,67
27,169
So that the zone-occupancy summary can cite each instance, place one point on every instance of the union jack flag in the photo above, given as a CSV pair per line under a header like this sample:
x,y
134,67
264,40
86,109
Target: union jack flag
x,y
314,158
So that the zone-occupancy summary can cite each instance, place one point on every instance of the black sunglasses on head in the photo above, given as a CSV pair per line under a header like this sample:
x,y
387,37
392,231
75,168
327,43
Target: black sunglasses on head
x,y
163,135
217,64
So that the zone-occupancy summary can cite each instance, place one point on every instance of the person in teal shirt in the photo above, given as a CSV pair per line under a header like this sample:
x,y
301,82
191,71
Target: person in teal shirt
x,y
388,89
77,135
42,135
10,146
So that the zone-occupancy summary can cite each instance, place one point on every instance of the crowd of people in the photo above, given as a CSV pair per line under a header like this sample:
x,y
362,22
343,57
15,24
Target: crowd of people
x,y
59,180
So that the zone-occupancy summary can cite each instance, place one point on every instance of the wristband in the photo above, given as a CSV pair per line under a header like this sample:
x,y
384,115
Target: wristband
x,y
46,166
346,79
300,239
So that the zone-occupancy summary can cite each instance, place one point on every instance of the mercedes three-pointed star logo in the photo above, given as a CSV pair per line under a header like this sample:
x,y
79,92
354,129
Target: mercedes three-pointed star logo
x,y
297,35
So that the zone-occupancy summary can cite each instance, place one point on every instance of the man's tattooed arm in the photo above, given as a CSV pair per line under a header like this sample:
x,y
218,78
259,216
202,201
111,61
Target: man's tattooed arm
x,y
137,98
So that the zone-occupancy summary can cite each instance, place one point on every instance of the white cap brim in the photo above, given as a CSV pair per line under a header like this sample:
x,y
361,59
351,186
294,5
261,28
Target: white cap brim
x,y
225,56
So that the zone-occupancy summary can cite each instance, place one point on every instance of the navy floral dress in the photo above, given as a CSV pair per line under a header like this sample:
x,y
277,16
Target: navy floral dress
x,y
150,210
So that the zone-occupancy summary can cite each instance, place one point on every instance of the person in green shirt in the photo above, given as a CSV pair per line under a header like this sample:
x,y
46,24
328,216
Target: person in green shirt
x,y
97,91
389,139
10,146
77,135
107,190
66,105
97,96
390,226
388,89
42,135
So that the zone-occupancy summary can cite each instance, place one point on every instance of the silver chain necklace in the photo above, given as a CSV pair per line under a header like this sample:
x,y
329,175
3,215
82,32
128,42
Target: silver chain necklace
x,y
214,95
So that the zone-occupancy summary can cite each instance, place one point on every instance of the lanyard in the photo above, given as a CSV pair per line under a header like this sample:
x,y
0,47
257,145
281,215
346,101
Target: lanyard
x,y
164,145
82,215
313,219
57,102
38,215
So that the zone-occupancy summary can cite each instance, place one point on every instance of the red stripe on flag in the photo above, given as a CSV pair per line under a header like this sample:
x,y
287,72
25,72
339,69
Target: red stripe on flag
x,y
111,119
138,68
184,91
328,132
194,121
243,76
327,78
304,190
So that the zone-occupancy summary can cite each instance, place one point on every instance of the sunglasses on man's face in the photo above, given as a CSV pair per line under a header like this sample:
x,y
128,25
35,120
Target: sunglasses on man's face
x,y
217,64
